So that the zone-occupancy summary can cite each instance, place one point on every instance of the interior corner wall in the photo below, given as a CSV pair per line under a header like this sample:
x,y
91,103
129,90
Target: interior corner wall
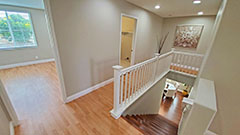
x,y
222,67
170,24
43,50
88,38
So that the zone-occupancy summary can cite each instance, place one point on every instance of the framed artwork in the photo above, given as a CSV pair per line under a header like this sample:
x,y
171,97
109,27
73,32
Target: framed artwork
x,y
188,36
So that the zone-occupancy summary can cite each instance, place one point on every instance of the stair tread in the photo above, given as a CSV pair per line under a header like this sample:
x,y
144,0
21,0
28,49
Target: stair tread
x,y
153,124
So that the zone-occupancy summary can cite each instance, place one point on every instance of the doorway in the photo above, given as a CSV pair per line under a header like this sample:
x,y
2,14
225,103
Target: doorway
x,y
128,38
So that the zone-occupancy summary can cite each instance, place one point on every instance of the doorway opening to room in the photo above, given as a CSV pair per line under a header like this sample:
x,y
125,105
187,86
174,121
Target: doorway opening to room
x,y
128,39
29,65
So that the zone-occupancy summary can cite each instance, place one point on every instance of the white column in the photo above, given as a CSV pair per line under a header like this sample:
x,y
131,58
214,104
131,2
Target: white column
x,y
155,69
117,74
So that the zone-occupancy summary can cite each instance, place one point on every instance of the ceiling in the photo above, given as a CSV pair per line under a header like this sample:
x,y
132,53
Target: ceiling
x,y
177,8
24,3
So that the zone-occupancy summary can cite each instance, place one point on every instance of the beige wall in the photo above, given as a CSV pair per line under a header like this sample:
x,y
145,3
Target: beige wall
x,y
149,102
4,120
169,25
88,37
223,67
43,51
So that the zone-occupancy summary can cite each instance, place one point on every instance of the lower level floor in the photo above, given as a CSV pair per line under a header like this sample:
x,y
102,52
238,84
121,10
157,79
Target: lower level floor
x,y
35,93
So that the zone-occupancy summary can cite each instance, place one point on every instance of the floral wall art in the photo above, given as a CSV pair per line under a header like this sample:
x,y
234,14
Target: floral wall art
x,y
187,36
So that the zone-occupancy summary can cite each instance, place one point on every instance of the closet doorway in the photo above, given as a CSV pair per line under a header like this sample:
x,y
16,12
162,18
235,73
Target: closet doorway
x,y
128,40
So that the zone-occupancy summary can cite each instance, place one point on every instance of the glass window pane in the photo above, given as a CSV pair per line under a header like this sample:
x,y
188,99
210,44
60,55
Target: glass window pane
x,y
21,28
5,35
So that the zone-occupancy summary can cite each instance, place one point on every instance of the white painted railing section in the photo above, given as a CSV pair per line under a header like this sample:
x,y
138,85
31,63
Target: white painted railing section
x,y
189,63
132,82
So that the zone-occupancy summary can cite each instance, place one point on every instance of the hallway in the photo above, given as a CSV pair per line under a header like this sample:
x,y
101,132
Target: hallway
x,y
35,93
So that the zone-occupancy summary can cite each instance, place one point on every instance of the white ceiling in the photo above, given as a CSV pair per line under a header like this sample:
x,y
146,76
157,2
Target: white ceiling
x,y
177,8
24,3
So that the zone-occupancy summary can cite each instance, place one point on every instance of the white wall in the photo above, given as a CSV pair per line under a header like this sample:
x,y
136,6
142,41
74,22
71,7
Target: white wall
x,y
43,51
169,25
24,3
88,37
223,67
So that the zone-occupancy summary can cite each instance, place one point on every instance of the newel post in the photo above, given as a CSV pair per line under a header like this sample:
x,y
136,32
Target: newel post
x,y
117,71
155,66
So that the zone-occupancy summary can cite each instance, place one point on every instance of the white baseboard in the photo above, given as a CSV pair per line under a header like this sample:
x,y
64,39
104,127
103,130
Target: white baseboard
x,y
26,63
12,132
88,90
209,133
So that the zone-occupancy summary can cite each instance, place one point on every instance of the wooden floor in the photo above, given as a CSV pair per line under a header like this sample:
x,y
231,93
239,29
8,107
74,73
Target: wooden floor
x,y
153,124
35,94
165,123
171,109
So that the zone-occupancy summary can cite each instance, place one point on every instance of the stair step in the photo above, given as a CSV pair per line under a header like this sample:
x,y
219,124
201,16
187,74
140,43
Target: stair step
x,y
153,124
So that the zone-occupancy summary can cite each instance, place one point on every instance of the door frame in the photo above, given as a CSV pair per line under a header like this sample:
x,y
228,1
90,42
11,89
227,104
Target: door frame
x,y
8,105
134,39
54,45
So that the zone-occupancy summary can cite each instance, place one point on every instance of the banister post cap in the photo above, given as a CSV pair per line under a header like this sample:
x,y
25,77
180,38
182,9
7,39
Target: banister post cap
x,y
117,67
156,54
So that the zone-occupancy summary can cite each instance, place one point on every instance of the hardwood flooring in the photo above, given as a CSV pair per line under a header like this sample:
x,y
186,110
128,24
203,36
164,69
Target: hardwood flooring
x,y
35,93
164,123
171,109
153,124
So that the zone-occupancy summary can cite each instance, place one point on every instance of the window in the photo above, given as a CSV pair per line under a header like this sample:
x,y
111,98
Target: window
x,y
16,30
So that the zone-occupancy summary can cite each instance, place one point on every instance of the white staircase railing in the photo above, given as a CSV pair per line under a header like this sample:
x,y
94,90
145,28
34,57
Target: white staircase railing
x,y
188,63
132,82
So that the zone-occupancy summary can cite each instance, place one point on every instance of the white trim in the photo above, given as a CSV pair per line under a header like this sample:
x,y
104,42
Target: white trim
x,y
26,63
88,90
8,104
209,133
134,42
11,125
54,46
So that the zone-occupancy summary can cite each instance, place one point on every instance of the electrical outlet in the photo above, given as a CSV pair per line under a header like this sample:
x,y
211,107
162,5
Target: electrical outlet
x,y
36,57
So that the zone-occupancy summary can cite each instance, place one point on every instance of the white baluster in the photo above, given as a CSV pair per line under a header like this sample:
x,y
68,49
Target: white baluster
x,y
130,82
121,92
136,81
126,82
133,83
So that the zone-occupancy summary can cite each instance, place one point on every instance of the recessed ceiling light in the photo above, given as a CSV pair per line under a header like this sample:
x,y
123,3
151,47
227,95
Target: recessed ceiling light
x,y
200,13
157,6
197,2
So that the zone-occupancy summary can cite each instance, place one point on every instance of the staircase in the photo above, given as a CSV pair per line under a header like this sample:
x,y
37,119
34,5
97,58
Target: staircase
x,y
138,84
153,124
132,82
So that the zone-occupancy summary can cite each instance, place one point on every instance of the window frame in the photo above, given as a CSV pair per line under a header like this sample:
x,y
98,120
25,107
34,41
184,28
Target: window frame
x,y
35,45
